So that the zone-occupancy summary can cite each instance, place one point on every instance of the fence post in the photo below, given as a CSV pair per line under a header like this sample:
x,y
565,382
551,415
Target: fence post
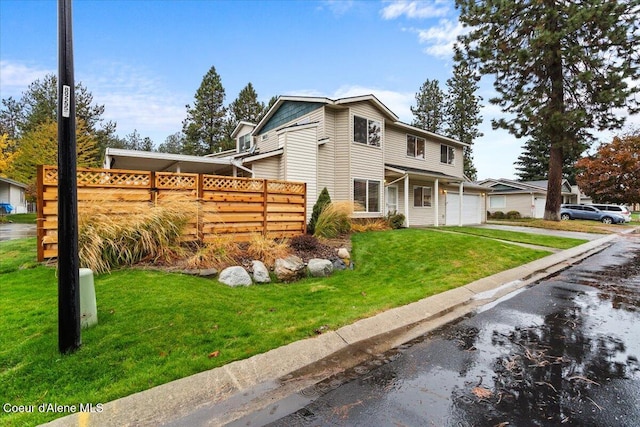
x,y
153,190
40,212
265,206
200,202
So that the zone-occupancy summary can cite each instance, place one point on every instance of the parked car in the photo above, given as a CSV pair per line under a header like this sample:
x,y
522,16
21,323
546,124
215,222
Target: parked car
x,y
589,212
620,210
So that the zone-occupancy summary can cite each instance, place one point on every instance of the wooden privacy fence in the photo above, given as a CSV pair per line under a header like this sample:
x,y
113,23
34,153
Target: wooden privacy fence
x,y
224,205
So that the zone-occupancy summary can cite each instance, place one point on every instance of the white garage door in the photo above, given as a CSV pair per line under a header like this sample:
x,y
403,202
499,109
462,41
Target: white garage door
x,y
471,209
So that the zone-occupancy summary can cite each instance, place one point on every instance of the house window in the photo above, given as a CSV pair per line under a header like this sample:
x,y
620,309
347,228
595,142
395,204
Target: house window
x,y
497,202
415,147
366,131
422,197
446,154
244,142
366,195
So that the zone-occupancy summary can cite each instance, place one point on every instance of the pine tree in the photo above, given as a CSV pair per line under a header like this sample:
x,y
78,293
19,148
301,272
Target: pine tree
x,y
429,110
246,106
204,126
323,200
561,69
173,144
533,163
463,113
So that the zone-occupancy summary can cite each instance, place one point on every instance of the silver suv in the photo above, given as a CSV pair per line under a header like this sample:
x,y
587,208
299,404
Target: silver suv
x,y
620,210
589,212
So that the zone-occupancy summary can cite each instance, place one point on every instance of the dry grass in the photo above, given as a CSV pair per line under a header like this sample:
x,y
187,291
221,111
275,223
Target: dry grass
x,y
334,220
107,239
372,224
267,250
219,252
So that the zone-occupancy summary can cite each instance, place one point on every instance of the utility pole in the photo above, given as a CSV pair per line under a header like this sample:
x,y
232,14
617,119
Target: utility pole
x,y
69,338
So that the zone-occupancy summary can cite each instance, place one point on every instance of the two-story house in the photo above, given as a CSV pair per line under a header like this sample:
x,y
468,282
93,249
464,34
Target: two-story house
x,y
359,150
355,147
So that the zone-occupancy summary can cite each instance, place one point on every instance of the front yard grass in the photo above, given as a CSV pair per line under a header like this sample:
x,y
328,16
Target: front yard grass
x,y
155,327
578,225
519,237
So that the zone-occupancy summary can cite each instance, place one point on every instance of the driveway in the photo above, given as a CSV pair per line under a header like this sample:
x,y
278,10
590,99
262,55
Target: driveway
x,y
12,231
533,230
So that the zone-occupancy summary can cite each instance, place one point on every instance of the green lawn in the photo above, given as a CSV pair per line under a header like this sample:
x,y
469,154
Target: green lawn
x,y
516,236
29,218
155,327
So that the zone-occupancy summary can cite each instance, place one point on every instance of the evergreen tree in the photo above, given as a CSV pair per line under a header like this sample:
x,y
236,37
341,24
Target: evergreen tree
x,y
561,69
463,113
533,163
323,200
246,106
173,144
429,111
204,126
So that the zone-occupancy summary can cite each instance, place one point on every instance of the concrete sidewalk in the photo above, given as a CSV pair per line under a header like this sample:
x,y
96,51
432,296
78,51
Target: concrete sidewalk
x,y
222,395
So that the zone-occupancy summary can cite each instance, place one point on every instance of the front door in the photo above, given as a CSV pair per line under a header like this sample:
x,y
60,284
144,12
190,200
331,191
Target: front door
x,y
391,198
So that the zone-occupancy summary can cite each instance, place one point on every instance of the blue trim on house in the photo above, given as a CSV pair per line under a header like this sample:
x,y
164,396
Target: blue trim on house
x,y
289,110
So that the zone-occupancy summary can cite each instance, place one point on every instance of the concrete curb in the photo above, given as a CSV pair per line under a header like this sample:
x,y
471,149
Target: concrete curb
x,y
229,392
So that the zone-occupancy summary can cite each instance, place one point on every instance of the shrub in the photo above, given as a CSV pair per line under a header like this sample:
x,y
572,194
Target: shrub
x,y
334,220
513,215
323,200
395,220
219,252
498,215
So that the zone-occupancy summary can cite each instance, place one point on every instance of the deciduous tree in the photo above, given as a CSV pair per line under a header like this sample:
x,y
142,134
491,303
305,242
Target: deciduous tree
x,y
562,69
612,174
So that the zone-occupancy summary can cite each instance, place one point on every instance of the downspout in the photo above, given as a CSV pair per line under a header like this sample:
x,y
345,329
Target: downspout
x,y
436,213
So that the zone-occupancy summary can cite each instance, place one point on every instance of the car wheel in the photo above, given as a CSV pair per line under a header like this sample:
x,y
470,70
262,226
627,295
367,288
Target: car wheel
x,y
565,217
607,220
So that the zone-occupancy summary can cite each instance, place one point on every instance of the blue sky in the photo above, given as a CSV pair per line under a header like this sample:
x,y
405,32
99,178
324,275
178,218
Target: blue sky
x,y
145,59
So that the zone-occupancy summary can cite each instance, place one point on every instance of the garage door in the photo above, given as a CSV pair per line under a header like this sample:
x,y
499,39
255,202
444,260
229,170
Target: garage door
x,y
471,209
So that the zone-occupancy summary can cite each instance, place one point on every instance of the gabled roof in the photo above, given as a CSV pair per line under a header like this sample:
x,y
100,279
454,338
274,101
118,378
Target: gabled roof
x,y
239,126
12,182
506,186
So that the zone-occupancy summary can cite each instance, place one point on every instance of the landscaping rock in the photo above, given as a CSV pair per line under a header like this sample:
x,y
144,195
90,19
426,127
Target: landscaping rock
x,y
344,253
289,269
235,276
338,264
320,267
260,272
207,272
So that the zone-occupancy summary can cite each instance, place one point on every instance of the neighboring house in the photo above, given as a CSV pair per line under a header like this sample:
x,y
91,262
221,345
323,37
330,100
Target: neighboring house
x,y
355,147
13,193
527,197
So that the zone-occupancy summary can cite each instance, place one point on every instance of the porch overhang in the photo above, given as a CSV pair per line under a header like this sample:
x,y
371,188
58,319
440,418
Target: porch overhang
x,y
116,158
399,171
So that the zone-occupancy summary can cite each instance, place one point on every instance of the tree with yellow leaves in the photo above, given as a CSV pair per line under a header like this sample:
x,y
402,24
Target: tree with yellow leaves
x,y
6,154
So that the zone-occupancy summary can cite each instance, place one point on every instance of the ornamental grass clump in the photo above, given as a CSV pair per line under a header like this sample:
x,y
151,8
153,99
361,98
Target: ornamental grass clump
x,y
267,249
108,238
219,252
334,220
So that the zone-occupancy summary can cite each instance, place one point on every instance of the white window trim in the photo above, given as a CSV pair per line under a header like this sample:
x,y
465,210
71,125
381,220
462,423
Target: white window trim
x,y
366,207
415,150
451,161
422,196
502,205
353,132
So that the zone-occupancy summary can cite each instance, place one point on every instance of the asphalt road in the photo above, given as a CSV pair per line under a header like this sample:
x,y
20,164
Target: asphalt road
x,y
11,231
563,351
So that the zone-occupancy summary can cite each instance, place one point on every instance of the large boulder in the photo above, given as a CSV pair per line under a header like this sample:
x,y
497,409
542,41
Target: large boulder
x,y
235,276
260,272
289,269
320,267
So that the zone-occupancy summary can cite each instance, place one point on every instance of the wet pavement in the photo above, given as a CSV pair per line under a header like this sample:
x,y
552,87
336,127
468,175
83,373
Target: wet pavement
x,y
11,231
561,352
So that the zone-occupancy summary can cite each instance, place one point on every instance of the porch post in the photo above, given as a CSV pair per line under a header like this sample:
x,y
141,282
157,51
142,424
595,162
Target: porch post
x,y
461,195
436,214
406,200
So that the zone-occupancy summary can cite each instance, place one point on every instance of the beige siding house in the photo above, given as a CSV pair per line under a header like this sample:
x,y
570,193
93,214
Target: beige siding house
x,y
358,149
526,197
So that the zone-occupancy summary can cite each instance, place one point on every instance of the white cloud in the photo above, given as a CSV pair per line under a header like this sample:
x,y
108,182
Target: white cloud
x,y
415,9
339,7
440,39
16,77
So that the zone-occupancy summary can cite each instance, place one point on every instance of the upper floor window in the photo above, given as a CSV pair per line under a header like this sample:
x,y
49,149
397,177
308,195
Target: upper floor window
x,y
244,142
367,131
415,146
446,154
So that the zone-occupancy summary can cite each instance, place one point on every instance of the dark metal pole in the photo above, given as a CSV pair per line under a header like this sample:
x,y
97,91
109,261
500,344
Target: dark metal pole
x,y
69,338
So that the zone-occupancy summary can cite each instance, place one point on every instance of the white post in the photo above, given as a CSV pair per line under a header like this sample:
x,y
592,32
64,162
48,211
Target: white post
x,y
461,195
406,200
436,214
